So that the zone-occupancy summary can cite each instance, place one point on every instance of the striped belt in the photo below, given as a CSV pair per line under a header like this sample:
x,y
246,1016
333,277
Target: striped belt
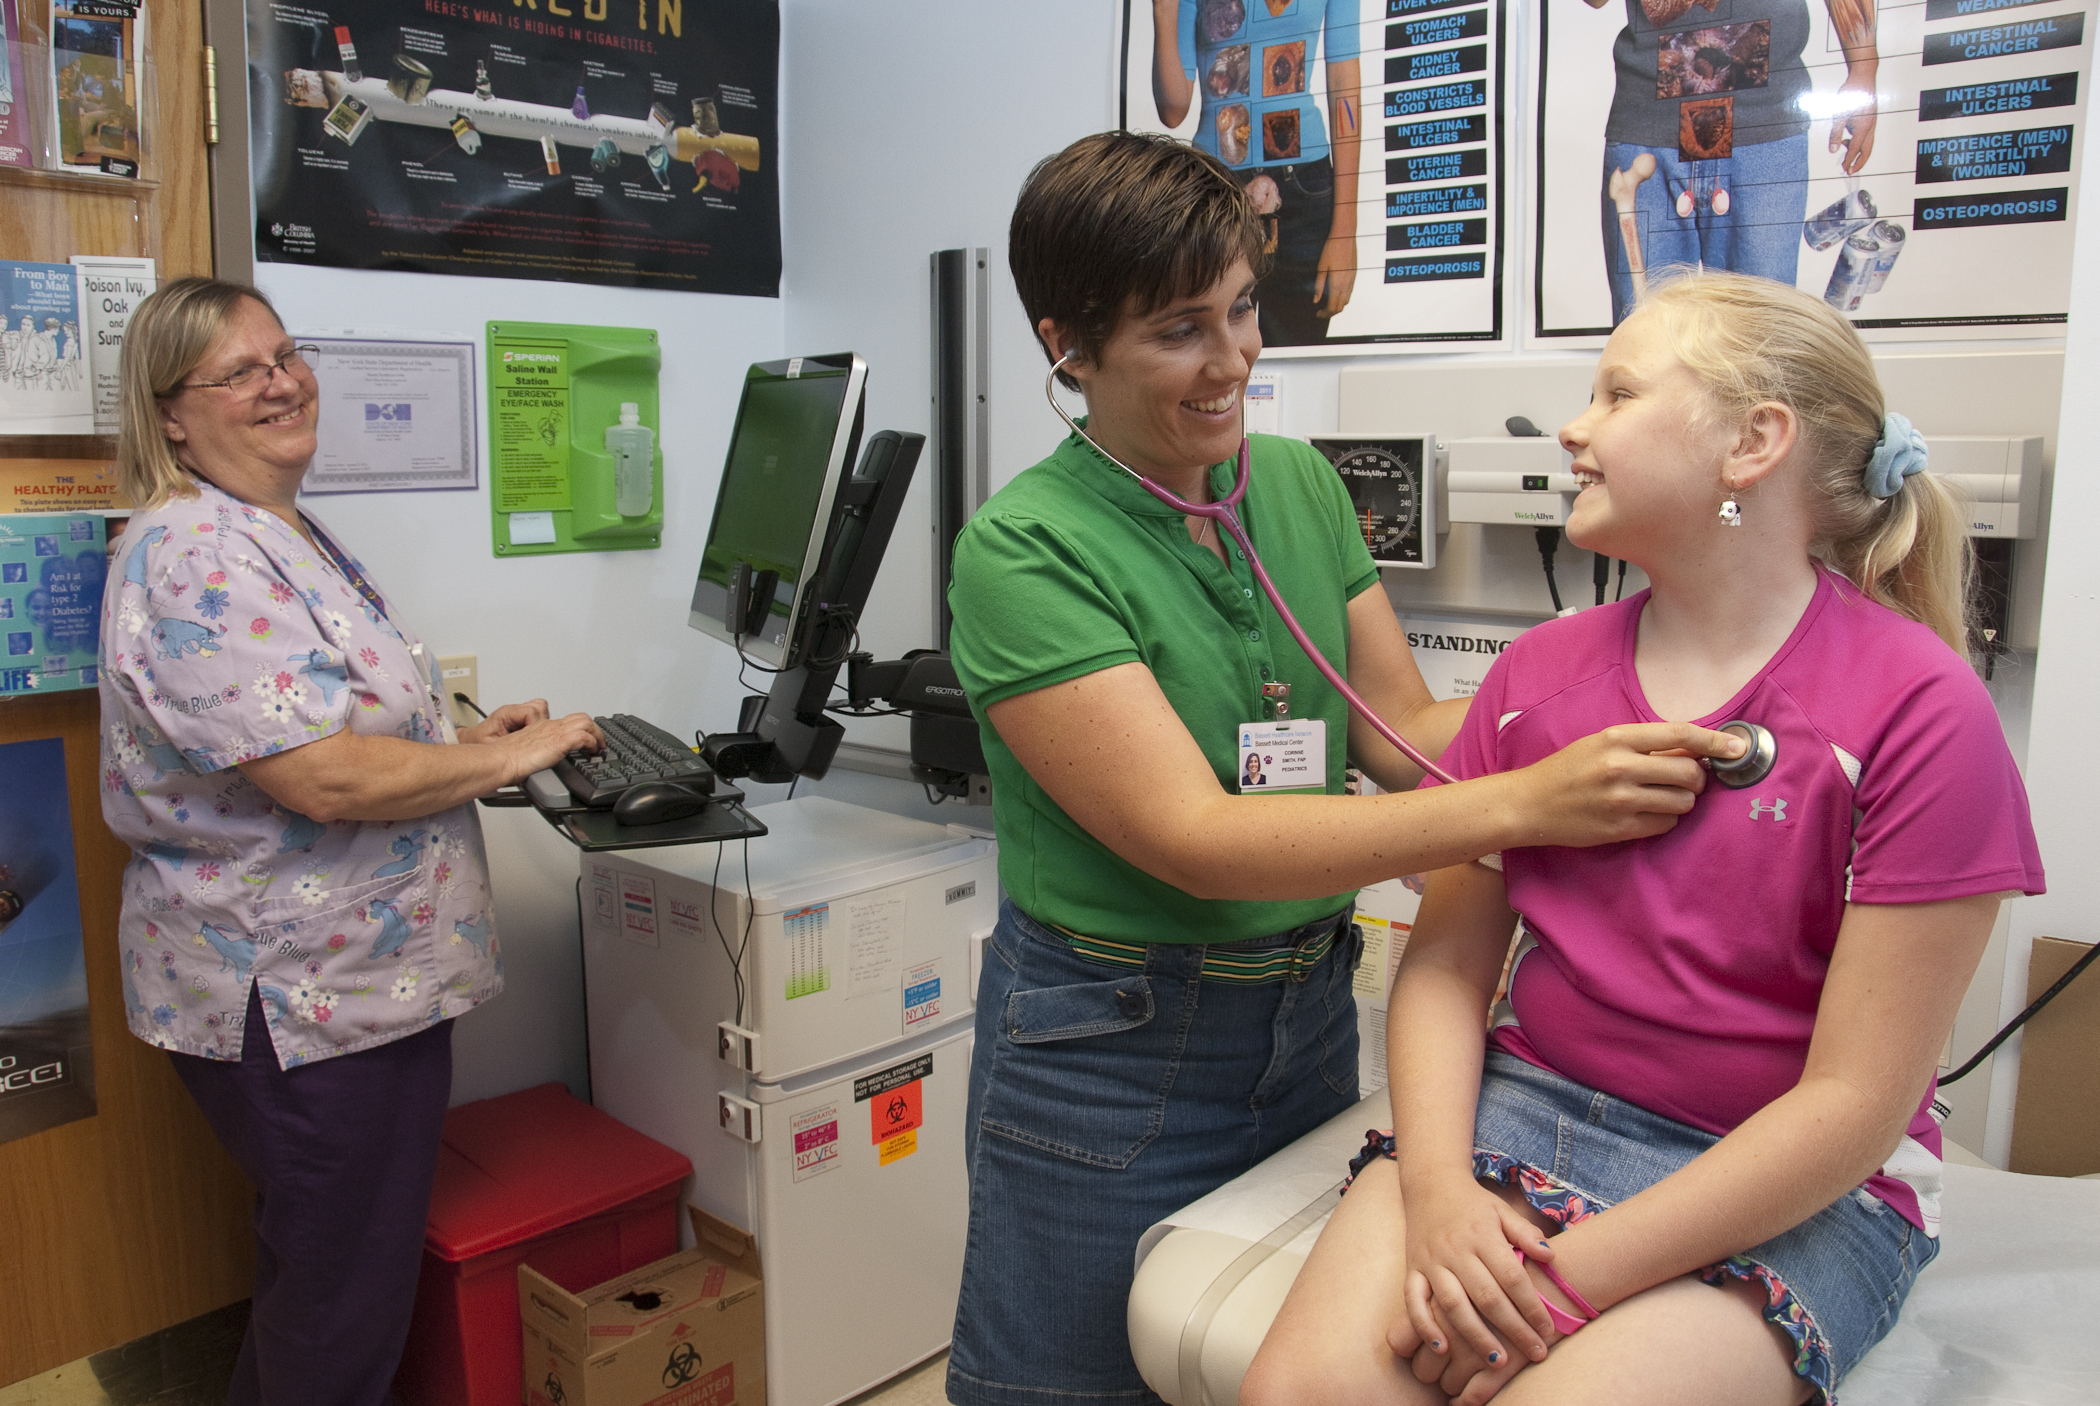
x,y
1240,966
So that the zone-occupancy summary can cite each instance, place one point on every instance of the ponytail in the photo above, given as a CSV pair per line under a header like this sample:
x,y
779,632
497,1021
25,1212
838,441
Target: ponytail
x,y
1750,340
1909,552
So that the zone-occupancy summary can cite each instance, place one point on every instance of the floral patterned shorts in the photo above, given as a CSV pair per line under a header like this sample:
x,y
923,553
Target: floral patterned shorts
x,y
1832,1284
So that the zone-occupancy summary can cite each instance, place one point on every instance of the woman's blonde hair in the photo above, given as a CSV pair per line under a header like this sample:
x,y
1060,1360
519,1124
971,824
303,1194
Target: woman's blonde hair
x,y
1749,340
171,332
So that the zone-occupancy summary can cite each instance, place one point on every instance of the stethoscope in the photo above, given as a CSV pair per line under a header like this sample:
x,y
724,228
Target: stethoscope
x,y
1747,770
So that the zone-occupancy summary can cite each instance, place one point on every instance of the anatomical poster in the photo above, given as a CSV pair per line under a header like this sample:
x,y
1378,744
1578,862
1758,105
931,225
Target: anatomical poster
x,y
632,143
47,1070
1914,165
1371,136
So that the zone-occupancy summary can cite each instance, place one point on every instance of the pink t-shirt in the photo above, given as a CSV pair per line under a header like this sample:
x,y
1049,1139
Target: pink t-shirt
x,y
1681,973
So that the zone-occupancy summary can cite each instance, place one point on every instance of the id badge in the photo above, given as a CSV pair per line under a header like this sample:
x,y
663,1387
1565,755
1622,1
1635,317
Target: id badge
x,y
1283,756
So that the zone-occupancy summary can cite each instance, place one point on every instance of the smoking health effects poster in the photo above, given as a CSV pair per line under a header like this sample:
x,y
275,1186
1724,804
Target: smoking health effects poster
x,y
621,142
1915,165
1372,137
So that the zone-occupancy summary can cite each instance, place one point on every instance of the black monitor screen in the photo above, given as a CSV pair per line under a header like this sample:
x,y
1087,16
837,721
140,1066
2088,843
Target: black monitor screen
x,y
793,435
774,477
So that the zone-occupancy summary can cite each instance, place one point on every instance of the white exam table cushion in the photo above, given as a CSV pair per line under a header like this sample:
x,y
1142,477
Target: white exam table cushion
x,y
2009,1312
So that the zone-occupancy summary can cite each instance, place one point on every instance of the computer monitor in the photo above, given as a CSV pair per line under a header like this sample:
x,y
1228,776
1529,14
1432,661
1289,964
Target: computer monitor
x,y
797,433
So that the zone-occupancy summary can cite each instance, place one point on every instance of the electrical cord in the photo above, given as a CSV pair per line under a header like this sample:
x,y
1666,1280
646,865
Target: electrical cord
x,y
2023,1017
1549,542
1620,594
583,987
462,698
745,661
1600,572
846,710
714,915
832,614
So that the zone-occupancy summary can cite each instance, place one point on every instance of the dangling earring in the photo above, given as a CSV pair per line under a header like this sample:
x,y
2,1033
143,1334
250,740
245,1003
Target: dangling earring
x,y
1731,511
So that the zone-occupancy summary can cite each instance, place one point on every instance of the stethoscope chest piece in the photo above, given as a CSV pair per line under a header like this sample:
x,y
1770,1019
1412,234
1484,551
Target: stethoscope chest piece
x,y
1755,764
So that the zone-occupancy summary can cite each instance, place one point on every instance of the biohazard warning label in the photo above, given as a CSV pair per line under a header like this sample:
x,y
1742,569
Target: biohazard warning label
x,y
899,1110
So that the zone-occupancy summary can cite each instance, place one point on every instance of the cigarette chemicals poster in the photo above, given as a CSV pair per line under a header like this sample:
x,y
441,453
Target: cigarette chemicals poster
x,y
624,142
1914,165
1370,136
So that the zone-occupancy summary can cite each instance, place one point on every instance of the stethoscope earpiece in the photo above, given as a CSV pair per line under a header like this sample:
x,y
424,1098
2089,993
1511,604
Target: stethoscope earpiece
x,y
1755,764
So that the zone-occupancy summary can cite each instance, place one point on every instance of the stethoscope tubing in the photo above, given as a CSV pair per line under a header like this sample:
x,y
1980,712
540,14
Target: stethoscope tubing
x,y
1222,512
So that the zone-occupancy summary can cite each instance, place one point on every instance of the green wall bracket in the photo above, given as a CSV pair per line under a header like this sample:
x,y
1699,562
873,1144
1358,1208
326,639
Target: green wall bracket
x,y
553,390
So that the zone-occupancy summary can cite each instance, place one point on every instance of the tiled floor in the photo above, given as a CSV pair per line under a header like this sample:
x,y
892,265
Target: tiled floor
x,y
188,1365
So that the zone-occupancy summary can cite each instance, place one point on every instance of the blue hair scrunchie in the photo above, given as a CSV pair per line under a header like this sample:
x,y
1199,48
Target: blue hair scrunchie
x,y
1899,453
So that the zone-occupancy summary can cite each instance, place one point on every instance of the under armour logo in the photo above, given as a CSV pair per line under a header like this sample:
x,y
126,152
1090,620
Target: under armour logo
x,y
1777,810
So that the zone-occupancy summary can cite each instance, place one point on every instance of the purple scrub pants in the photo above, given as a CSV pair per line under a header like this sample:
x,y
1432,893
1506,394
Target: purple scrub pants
x,y
342,1153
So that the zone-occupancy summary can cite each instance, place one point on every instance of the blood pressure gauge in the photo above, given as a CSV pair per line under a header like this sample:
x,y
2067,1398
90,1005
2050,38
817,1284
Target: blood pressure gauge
x,y
1391,481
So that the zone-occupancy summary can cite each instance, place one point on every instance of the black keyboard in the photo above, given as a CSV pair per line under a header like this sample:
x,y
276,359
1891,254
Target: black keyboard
x,y
635,751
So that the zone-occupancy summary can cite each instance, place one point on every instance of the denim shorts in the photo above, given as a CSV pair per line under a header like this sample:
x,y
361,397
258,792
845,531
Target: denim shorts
x,y
1102,1100
1833,1284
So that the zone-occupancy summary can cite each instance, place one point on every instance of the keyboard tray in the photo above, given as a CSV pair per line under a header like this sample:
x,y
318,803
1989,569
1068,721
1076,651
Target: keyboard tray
x,y
724,819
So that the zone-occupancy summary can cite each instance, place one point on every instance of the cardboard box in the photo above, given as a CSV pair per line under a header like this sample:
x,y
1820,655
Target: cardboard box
x,y
688,1330
2054,1131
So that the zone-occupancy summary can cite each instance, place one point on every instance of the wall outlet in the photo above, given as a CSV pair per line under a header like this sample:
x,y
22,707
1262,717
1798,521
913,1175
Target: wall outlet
x,y
462,674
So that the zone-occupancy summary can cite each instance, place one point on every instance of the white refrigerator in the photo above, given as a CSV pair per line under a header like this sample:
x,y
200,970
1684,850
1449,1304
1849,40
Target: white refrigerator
x,y
828,1117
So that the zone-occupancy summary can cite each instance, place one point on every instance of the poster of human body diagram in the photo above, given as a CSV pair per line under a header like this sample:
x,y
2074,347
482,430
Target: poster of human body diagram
x,y
623,142
1912,164
1371,137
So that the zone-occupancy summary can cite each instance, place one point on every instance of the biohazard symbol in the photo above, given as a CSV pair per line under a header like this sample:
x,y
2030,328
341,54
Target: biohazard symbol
x,y
897,1109
552,1386
683,1366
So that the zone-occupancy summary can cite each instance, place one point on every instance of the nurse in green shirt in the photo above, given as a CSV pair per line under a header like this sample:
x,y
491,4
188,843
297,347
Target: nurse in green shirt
x,y
1167,997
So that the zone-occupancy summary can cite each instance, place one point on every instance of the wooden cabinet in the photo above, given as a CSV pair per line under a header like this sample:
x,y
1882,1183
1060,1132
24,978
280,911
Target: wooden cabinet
x,y
132,1220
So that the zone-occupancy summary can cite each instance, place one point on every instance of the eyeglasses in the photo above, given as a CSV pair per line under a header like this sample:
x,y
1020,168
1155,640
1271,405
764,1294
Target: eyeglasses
x,y
255,379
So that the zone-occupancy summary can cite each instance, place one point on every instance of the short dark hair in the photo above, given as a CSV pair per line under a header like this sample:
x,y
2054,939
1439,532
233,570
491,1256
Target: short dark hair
x,y
1122,218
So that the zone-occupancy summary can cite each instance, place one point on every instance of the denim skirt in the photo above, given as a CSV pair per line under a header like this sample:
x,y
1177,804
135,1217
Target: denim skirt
x,y
1832,1284
1102,1100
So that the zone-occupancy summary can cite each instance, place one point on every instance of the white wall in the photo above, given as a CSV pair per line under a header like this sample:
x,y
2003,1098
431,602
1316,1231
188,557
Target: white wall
x,y
2064,776
596,632
975,93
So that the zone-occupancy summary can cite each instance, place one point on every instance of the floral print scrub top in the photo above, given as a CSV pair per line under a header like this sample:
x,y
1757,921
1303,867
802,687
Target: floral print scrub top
x,y
225,637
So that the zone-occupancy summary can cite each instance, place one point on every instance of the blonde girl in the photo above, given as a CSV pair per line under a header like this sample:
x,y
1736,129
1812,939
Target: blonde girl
x,y
1692,1158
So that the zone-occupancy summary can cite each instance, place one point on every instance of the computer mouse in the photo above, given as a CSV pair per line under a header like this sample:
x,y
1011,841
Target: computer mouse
x,y
654,802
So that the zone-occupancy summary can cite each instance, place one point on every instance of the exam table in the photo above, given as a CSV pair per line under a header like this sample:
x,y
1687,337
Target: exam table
x,y
2009,1312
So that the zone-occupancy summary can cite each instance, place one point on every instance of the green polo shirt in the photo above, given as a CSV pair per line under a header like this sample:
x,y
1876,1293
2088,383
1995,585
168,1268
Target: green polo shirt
x,y
1073,568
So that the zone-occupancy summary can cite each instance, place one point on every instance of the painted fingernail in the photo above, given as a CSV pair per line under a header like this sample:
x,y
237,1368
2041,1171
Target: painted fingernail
x,y
1436,1346
1493,1358
1544,1246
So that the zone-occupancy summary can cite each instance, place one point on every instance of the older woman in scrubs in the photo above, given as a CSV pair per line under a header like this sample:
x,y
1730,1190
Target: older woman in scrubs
x,y
307,906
